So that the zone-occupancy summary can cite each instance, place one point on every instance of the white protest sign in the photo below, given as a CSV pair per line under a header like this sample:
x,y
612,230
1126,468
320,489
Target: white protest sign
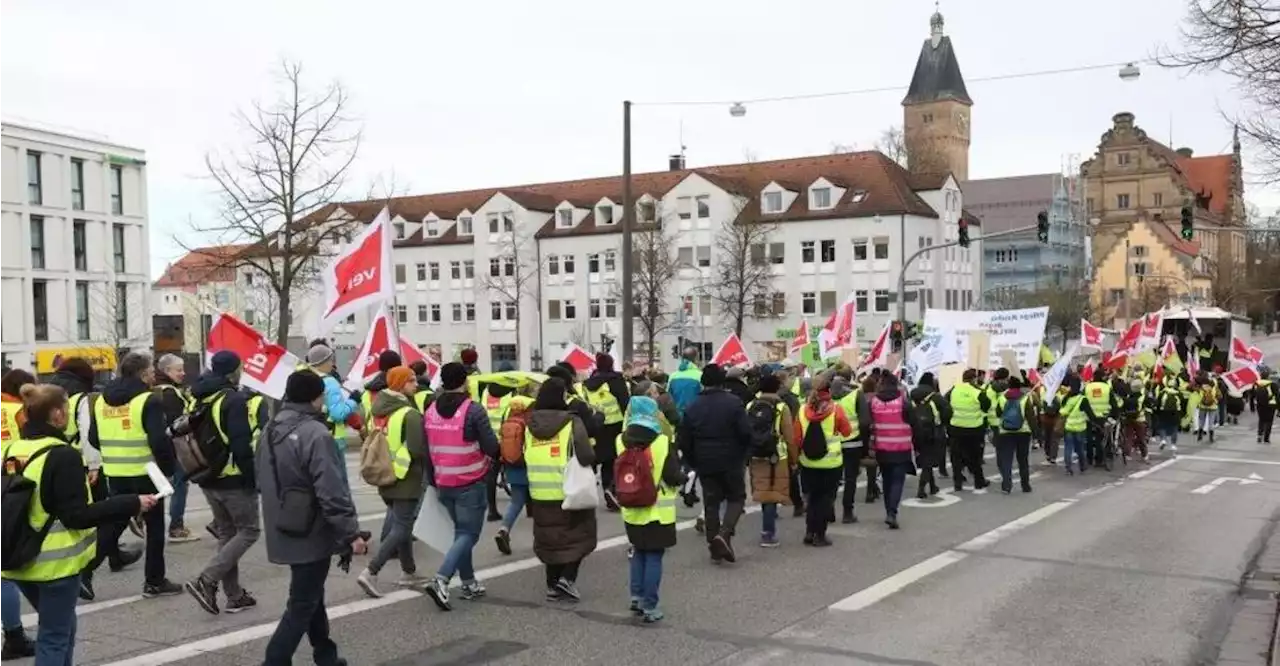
x,y
1053,378
1019,330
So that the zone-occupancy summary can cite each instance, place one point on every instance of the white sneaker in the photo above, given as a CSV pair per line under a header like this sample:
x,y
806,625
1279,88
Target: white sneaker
x,y
369,583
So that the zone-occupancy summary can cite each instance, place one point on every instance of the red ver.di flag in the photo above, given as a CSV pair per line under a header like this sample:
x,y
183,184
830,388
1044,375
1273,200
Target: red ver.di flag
x,y
579,358
1090,335
801,340
359,276
265,366
731,353
409,353
1240,379
879,352
365,365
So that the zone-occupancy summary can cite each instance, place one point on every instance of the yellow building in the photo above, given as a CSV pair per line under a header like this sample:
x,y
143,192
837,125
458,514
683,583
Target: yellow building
x,y
1136,188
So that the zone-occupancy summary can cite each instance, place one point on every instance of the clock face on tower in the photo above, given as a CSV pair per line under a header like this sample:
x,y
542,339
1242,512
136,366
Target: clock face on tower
x,y
961,119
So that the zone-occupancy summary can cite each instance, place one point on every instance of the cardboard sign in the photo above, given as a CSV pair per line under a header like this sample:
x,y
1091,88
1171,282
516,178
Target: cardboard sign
x,y
979,350
850,356
949,375
1009,359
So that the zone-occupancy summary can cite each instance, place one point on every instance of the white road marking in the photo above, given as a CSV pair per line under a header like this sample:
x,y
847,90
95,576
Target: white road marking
x,y
1212,485
1242,461
223,641
1152,469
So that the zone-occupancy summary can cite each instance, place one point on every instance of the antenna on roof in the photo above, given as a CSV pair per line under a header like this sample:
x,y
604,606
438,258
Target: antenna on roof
x,y
676,162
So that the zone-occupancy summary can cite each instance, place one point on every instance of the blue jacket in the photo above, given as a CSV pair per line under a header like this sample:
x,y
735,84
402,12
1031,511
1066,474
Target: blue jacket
x,y
684,389
337,405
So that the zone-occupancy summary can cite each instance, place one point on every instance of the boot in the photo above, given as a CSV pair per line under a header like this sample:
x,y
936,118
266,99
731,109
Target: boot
x,y
17,645
848,518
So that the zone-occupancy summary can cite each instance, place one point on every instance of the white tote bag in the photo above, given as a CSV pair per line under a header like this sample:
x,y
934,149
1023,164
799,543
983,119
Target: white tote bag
x,y
579,487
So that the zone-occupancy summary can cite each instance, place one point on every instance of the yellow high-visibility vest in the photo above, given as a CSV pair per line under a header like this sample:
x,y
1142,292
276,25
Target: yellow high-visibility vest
x,y
966,412
64,552
849,404
9,421
122,437
835,455
396,444
603,401
545,460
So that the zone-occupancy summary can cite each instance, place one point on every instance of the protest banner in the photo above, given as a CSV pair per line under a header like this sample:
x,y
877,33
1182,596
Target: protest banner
x,y
1019,330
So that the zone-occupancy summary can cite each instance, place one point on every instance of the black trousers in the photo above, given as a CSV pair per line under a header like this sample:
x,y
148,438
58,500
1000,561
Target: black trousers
x,y
797,496
568,572
1266,416
820,485
107,549
606,453
966,454
1012,445
852,469
304,614
153,567
728,488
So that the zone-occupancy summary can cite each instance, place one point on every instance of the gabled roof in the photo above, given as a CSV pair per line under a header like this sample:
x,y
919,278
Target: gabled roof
x,y
1107,237
203,264
1210,176
1008,203
937,76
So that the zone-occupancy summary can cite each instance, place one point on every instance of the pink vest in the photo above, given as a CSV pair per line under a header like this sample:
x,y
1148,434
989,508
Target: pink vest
x,y
457,462
890,432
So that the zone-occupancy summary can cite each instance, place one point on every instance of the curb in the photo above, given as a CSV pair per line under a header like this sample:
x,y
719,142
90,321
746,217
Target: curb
x,y
1253,636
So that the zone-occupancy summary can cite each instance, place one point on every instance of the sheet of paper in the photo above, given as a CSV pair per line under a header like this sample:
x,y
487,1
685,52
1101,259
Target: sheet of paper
x,y
434,527
158,479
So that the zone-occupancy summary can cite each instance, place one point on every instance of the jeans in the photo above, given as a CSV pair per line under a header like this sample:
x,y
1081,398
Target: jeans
x,y
466,506
235,521
304,614
646,575
10,605
1074,442
397,536
519,497
1011,445
729,488
821,486
178,501
769,518
55,604
895,479
1206,419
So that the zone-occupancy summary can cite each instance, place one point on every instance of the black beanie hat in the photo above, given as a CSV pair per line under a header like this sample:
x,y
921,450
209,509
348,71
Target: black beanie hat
x,y
453,376
388,359
713,375
303,386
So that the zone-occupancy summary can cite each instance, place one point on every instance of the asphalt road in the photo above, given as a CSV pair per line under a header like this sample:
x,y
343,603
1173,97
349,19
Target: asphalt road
x,y
1129,567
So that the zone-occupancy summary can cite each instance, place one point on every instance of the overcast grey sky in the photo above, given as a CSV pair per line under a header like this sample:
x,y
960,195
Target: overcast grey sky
x,y
472,94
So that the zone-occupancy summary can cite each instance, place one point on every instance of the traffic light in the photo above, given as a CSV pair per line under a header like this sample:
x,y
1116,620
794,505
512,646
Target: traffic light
x,y
895,334
606,343
910,330
1188,224
1042,226
963,236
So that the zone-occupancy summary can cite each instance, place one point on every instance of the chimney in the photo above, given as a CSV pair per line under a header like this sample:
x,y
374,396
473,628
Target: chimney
x,y
676,163
1183,152
1122,120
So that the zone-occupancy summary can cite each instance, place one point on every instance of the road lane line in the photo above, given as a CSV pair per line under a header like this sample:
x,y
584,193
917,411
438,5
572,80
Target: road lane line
x,y
1152,469
1242,461
222,641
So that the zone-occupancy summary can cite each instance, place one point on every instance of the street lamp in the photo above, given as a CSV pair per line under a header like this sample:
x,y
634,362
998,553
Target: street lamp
x,y
737,110
1130,72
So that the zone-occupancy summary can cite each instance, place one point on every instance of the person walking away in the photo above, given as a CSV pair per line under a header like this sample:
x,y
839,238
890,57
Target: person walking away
x,y
1104,402
853,402
12,417
1167,413
338,406
60,502
821,429
308,515
495,398
460,446
1013,439
130,430
1050,420
394,411
608,394
561,538
511,445
419,369
1266,397
793,399
932,414
651,530
171,372
1077,413
775,448
969,407
1207,409
892,441
685,384
1133,420
870,384
715,438
232,493
735,383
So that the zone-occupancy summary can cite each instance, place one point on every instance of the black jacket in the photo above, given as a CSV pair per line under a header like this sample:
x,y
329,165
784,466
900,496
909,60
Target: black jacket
x,y
119,392
740,389
70,383
63,491
235,425
714,435
617,386
170,398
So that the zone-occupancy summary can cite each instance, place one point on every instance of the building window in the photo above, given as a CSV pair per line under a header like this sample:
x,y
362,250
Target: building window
x,y
593,262
593,308
40,308
860,300
684,207
703,202
704,256
807,253
117,190
1122,159
512,313
117,247
611,308
882,248
456,312
495,311
35,193
1140,268
926,118
495,267
77,184
435,313
455,270
122,310
859,249
80,245
779,303
1139,250
553,264
604,214
422,314
1122,201
399,230
400,274
821,197
882,300
1157,199
37,242
808,303
684,257
420,270
858,196
553,310
567,264
433,228
501,222
471,311
509,266
82,310
611,261
433,271
1115,296
402,314
648,212
469,269
564,218
464,226
773,202
827,302
569,309
828,251
502,354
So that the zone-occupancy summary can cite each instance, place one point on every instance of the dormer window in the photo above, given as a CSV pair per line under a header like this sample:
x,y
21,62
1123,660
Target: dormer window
x,y
464,226
604,215
432,228
564,218
648,212
399,230
820,197
772,202
858,196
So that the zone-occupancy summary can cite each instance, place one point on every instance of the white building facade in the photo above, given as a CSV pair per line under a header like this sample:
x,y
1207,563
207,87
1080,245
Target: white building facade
x,y
75,254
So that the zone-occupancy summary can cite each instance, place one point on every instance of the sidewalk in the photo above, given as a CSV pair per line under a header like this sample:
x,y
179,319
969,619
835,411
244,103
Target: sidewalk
x,y
1253,638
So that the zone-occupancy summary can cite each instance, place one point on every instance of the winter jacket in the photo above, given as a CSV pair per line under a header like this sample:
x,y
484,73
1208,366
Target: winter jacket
x,y
887,394
654,535
617,386
930,438
172,397
411,486
559,536
338,405
714,435
119,392
771,481
740,389
298,448
475,428
63,491
235,425
684,390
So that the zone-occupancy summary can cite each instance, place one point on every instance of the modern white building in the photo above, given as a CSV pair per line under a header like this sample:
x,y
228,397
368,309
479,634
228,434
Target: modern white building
x,y
74,257
520,272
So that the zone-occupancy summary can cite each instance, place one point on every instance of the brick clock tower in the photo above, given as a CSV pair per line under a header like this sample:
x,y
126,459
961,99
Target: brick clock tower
x,y
935,112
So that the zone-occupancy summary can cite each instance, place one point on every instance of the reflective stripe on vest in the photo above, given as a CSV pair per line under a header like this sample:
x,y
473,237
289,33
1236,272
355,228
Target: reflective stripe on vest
x,y
64,552
891,431
1265,386
965,410
122,438
456,461
230,469
545,460
603,401
1099,396
835,455
9,421
849,404
396,444
1077,421
72,431
993,418
664,512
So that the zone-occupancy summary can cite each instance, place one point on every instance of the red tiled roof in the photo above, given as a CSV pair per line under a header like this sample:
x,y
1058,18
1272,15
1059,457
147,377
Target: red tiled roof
x,y
1210,177
203,264
1173,240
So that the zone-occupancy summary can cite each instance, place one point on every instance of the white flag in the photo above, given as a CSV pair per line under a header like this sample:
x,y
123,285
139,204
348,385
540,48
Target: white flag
x,y
1053,378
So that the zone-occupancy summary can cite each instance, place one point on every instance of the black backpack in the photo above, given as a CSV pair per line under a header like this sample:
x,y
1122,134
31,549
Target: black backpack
x,y
196,442
762,415
814,446
21,542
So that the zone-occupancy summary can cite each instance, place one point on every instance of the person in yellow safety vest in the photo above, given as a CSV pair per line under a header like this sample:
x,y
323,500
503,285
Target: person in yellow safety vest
x,y
386,360
1078,413
62,503
232,494
771,474
1104,402
338,406
651,530
171,372
970,404
1207,407
1166,412
129,429
1205,351
11,403
854,404
1133,414
1015,422
822,426
421,397
1266,397
17,645
593,420
495,398
259,412
608,394
998,384
393,409
561,538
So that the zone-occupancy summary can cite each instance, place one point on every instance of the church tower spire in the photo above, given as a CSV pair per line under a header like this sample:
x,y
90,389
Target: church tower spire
x,y
935,111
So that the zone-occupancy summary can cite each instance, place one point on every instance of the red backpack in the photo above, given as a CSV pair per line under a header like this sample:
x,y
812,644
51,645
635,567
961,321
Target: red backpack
x,y
633,478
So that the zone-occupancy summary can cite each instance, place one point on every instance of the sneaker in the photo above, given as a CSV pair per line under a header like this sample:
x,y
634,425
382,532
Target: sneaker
x,y
808,539
503,539
768,540
568,589
493,517
368,581
181,535
553,594
205,593
720,549
611,502
438,590
652,616
17,645
86,587
635,606
473,590
243,602
411,580
138,527
127,556
165,588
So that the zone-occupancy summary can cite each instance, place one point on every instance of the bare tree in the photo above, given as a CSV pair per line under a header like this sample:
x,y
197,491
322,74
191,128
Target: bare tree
x,y
512,273
578,336
113,316
925,156
893,144
653,271
742,275
1067,305
274,188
